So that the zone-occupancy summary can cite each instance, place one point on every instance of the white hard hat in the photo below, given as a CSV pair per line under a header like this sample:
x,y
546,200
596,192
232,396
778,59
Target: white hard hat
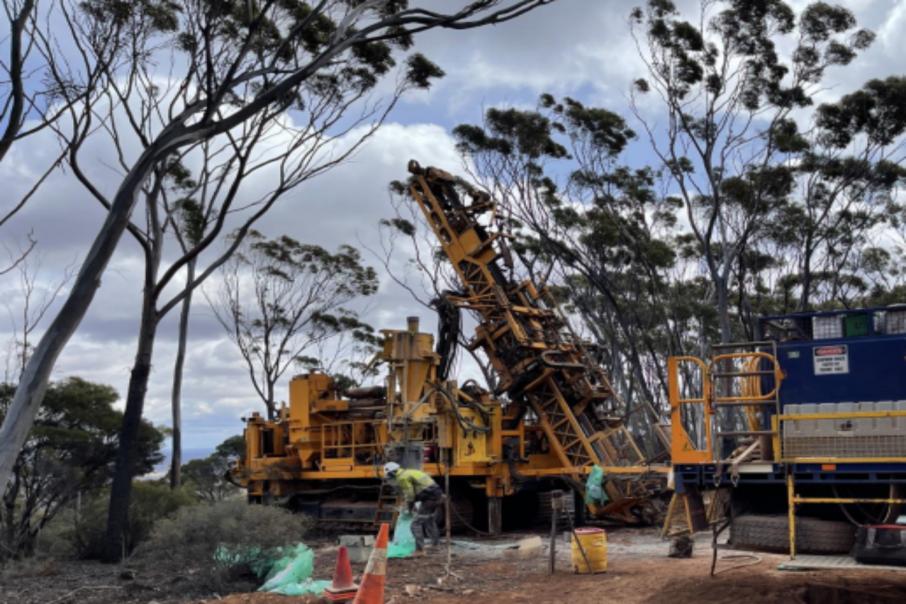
x,y
391,468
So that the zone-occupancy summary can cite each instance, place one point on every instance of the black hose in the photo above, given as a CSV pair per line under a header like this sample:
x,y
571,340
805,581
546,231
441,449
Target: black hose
x,y
465,424
449,326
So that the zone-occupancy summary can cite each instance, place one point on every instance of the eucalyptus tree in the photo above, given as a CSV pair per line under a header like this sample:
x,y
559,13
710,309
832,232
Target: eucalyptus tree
x,y
721,97
235,68
70,450
281,302
848,168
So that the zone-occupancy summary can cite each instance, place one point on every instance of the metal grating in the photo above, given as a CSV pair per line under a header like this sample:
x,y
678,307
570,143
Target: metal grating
x,y
814,562
844,446
844,436
895,321
827,327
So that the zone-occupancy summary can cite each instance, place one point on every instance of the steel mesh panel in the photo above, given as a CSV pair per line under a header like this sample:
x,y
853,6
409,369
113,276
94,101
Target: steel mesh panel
x,y
845,446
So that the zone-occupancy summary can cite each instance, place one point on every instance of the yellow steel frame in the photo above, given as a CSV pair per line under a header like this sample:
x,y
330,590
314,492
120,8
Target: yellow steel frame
x,y
683,450
512,315
563,385
793,500
333,439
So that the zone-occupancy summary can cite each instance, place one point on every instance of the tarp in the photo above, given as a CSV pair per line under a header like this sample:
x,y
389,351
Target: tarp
x,y
286,571
403,544
594,487
290,574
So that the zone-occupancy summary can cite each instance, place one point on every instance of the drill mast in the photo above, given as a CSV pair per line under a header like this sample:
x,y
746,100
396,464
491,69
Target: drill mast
x,y
540,362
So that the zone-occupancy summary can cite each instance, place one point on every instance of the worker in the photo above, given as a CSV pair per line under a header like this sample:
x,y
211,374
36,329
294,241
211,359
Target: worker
x,y
418,488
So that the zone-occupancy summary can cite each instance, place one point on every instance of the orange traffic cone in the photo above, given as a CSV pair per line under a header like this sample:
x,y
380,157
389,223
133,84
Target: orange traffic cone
x,y
372,589
342,589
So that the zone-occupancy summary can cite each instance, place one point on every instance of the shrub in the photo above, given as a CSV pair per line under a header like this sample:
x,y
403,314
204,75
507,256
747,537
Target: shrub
x,y
249,534
150,502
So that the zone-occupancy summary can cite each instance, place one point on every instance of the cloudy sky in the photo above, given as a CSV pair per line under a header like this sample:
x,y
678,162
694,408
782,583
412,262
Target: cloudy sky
x,y
579,48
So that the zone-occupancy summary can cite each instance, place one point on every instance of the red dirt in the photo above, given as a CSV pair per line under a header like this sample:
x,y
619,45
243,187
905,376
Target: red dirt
x,y
638,571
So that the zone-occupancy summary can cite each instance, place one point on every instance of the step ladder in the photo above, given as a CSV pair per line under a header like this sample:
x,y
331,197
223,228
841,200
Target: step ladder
x,y
387,505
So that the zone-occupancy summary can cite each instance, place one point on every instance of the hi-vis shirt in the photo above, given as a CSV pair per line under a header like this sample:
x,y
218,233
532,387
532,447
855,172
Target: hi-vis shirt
x,y
413,482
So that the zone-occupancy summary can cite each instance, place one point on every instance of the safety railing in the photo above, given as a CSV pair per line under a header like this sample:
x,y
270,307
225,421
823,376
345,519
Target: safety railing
x,y
751,362
728,380
793,500
341,440
682,447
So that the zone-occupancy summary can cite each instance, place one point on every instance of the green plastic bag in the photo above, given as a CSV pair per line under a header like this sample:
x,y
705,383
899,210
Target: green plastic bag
x,y
295,566
287,571
594,487
403,544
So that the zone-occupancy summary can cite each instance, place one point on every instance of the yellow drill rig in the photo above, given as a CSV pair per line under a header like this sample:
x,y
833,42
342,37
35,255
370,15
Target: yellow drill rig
x,y
552,418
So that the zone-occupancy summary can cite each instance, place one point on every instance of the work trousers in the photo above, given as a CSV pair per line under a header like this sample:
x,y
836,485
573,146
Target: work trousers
x,y
424,526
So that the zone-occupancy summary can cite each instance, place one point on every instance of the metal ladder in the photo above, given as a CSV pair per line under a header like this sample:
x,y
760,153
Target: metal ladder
x,y
387,508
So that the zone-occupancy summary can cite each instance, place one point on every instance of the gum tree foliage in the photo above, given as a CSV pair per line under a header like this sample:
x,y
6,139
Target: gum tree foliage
x,y
32,101
207,477
282,302
730,97
847,169
236,68
70,450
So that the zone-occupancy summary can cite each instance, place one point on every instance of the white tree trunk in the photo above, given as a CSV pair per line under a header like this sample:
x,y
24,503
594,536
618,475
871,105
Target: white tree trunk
x,y
176,395
31,388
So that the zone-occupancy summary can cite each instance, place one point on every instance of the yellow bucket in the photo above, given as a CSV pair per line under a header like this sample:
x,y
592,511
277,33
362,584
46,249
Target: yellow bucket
x,y
594,544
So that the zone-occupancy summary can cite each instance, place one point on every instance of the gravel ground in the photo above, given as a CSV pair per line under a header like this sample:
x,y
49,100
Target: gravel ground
x,y
638,571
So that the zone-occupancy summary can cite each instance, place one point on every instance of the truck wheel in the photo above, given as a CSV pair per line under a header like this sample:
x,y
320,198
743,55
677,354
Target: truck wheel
x,y
771,533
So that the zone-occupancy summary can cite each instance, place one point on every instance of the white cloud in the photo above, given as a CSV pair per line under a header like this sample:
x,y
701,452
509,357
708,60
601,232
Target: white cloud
x,y
572,47
342,206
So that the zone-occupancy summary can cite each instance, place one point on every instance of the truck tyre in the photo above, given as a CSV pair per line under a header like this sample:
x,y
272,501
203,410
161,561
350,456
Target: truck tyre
x,y
771,533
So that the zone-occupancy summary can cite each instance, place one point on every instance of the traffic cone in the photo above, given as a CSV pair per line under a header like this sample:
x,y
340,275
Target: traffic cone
x,y
343,589
372,589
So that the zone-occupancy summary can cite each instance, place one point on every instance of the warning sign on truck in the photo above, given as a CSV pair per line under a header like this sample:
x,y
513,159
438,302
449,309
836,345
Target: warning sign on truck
x,y
831,359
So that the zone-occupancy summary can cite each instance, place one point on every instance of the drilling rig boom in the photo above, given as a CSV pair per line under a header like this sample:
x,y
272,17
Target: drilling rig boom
x,y
540,361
